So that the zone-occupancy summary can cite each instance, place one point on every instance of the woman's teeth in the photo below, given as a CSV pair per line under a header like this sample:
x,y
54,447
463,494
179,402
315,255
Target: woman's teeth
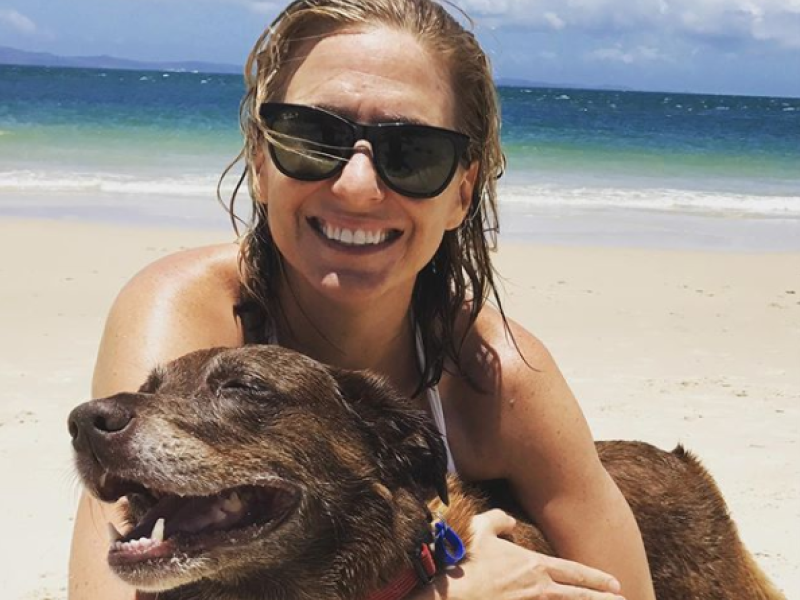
x,y
357,237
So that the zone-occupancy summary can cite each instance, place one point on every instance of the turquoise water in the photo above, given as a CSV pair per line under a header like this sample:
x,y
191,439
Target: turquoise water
x,y
85,118
714,142
129,139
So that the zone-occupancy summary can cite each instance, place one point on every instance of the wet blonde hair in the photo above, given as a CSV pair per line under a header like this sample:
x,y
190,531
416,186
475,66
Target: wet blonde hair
x,y
460,273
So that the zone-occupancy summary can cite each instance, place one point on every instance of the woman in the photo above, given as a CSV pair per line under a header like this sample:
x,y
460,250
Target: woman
x,y
369,250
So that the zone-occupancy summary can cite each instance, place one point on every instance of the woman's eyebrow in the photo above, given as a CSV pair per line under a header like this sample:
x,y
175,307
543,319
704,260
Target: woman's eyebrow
x,y
384,117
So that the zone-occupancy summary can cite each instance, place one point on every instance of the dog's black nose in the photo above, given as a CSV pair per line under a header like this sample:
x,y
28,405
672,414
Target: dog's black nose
x,y
98,419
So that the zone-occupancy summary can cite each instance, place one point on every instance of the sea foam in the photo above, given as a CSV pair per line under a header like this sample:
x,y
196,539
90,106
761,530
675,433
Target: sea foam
x,y
658,199
39,181
547,196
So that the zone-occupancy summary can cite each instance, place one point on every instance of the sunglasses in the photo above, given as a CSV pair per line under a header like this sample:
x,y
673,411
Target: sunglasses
x,y
311,144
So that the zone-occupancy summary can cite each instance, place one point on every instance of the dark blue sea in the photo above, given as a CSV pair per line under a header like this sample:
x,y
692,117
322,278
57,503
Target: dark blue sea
x,y
151,146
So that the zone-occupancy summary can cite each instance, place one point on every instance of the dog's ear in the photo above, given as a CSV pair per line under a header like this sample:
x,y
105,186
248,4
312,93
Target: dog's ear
x,y
408,446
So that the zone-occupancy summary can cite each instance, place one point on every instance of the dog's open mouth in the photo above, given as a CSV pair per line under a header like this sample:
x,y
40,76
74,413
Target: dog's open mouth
x,y
189,525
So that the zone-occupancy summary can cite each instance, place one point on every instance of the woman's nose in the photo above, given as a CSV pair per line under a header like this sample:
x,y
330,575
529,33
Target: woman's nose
x,y
358,182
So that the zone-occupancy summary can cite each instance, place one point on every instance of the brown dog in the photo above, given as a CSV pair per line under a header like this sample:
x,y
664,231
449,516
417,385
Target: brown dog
x,y
257,472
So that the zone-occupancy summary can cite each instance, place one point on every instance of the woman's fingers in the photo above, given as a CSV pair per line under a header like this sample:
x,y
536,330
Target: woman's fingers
x,y
567,572
567,592
494,522
500,569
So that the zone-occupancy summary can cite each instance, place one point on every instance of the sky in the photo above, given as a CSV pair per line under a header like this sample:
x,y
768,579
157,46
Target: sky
x,y
749,47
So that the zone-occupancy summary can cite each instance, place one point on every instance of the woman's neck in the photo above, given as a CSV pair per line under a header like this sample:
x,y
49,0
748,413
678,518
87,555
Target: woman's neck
x,y
377,335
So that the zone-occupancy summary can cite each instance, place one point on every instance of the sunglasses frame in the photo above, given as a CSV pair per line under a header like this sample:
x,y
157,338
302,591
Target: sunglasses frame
x,y
372,133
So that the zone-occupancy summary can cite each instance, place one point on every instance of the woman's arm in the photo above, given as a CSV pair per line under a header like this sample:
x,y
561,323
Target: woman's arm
x,y
552,464
178,304
525,426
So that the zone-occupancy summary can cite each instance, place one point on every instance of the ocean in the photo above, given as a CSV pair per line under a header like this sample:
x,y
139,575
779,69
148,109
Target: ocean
x,y
607,167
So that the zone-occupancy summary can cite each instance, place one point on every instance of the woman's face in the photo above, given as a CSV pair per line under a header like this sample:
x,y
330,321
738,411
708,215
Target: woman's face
x,y
368,76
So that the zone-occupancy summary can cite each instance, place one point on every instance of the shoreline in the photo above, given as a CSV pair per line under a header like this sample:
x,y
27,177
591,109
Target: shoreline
x,y
568,225
667,346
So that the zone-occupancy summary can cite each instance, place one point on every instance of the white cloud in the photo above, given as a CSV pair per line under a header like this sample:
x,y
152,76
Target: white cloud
x,y
263,8
638,54
776,21
17,21
611,55
554,20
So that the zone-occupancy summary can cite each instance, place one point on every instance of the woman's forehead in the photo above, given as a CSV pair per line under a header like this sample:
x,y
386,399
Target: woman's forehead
x,y
374,75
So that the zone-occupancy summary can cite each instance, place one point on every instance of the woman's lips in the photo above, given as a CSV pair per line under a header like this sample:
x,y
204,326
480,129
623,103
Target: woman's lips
x,y
354,238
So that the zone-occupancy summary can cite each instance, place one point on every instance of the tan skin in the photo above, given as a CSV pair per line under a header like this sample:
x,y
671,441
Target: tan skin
x,y
525,426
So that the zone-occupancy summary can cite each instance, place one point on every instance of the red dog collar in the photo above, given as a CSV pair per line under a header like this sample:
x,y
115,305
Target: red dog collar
x,y
420,573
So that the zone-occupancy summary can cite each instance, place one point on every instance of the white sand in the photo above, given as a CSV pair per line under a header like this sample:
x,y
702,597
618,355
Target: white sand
x,y
667,347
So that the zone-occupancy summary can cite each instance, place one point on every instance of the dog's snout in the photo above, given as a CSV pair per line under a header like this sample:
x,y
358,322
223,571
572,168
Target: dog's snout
x,y
98,419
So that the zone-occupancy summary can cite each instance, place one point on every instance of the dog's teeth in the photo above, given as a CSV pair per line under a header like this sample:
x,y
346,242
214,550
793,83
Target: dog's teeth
x,y
103,479
113,534
158,531
219,515
232,504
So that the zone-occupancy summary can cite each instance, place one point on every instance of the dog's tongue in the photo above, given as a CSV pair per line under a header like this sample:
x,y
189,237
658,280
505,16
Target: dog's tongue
x,y
181,522
189,515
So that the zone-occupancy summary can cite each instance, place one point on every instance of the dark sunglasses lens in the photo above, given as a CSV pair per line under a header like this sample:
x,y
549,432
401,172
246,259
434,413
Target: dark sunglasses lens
x,y
312,144
416,161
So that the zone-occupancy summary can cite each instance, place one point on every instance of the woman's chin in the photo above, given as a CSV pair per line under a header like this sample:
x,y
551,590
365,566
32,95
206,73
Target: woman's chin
x,y
349,285
361,287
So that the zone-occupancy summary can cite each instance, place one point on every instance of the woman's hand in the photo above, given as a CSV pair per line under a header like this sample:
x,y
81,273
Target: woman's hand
x,y
499,569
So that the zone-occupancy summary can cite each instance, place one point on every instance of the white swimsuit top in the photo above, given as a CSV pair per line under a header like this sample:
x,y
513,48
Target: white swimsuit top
x,y
435,402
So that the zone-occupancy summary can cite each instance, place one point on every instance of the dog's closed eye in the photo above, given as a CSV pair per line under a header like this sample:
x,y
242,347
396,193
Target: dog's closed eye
x,y
241,388
154,381
238,385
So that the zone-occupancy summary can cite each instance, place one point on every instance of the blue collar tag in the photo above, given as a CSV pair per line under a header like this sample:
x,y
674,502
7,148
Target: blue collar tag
x,y
448,546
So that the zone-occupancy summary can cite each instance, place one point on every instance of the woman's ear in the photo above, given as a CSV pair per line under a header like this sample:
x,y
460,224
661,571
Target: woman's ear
x,y
468,185
466,188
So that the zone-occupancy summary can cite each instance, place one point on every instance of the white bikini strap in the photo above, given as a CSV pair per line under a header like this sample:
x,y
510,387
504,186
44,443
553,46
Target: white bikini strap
x,y
435,402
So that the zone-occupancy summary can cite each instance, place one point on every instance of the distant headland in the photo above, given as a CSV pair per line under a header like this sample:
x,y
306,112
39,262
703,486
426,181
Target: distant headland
x,y
13,56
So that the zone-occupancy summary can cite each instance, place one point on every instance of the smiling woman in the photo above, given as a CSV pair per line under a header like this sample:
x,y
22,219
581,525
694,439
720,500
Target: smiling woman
x,y
328,62
371,155
354,72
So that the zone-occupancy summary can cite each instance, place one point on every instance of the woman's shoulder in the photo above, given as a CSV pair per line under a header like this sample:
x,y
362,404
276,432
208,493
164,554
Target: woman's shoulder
x,y
193,286
508,393
499,355
195,280
177,304
190,271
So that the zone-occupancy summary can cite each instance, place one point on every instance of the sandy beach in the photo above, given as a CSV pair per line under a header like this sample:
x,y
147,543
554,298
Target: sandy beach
x,y
665,346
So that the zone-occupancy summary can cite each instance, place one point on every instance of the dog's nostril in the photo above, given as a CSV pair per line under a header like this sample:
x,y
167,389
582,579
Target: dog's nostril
x,y
112,421
99,417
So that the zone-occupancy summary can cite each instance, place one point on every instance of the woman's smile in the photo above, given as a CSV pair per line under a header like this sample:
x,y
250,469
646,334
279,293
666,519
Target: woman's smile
x,y
361,238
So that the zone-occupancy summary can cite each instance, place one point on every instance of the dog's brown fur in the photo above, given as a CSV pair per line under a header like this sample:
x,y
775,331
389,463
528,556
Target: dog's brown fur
x,y
360,463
